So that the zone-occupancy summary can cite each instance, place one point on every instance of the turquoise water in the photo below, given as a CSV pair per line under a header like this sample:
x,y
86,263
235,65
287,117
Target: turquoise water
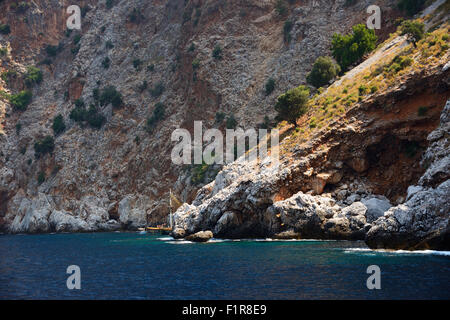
x,y
136,266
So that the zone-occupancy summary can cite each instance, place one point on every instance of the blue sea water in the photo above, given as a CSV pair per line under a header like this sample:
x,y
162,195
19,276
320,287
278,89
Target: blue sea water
x,y
144,266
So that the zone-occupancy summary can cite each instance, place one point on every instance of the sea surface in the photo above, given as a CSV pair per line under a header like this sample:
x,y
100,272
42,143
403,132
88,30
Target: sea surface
x,y
144,266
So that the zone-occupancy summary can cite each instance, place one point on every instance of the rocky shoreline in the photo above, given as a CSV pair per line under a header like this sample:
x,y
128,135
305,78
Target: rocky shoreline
x,y
232,207
244,208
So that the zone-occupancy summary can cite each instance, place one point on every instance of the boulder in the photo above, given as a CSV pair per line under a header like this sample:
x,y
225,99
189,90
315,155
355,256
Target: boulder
x,y
422,222
201,236
178,233
286,235
375,208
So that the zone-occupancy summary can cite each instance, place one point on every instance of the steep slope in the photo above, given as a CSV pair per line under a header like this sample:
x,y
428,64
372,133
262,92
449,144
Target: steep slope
x,y
362,160
118,175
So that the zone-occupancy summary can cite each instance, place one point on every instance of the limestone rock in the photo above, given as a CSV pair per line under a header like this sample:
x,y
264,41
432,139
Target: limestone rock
x,y
201,236
376,208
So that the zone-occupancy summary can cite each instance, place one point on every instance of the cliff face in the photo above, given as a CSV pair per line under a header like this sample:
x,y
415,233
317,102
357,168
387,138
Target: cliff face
x,y
145,49
377,173
162,52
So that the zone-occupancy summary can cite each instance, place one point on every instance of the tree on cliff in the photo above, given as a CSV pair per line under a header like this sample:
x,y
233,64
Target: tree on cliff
x,y
350,48
323,71
293,104
415,30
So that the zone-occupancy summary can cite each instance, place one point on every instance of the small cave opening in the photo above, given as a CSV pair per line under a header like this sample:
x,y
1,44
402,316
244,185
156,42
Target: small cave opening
x,y
3,202
394,165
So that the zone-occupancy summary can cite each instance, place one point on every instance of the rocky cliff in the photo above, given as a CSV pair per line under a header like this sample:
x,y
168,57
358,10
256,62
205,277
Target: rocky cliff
x,y
197,60
151,52
381,169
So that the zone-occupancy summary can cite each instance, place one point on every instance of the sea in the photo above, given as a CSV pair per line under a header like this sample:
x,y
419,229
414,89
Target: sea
x,y
135,266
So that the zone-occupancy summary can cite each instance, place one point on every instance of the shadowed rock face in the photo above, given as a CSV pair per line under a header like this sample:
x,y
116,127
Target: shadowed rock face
x,y
423,221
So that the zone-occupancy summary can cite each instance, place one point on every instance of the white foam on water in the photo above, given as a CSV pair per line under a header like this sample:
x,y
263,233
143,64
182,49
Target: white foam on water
x,y
426,252
179,242
165,239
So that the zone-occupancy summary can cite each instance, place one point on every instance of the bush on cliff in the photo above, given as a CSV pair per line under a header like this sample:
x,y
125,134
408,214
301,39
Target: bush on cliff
x,y
323,71
415,30
91,116
111,95
58,125
350,48
43,146
21,100
158,115
270,86
5,29
33,76
293,104
411,7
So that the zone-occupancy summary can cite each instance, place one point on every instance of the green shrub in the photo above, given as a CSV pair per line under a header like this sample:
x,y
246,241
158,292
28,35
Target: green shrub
x,y
46,145
84,10
350,48
76,39
109,4
411,7
75,50
281,7
5,29
91,116
111,95
157,90
398,63
22,7
106,63
96,94
151,68
195,64
422,111
287,28
21,100
78,114
136,16
3,51
362,90
220,116
41,177
158,115
199,173
373,89
143,86
51,51
33,76
415,30
192,47
79,103
323,71
7,75
137,63
293,104
109,44
270,86
94,118
231,122
217,52
349,3
58,124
